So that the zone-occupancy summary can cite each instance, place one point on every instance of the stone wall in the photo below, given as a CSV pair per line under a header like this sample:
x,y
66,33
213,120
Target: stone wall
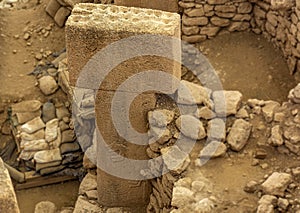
x,y
278,21
205,19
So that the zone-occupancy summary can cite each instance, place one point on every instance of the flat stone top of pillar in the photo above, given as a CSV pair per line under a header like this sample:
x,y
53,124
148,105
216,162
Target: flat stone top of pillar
x,y
123,19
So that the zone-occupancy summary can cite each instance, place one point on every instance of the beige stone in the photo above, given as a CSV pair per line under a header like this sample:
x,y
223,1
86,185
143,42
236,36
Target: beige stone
x,y
168,5
52,8
221,22
8,200
272,18
244,7
196,21
194,12
259,13
190,30
217,1
194,38
239,26
242,17
127,194
225,15
225,8
210,31
61,16
83,33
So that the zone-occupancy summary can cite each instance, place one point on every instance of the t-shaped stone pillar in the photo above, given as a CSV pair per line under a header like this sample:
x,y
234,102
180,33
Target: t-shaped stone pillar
x,y
92,28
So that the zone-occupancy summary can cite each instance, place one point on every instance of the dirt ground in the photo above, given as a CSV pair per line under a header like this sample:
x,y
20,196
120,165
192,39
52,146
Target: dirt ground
x,y
244,62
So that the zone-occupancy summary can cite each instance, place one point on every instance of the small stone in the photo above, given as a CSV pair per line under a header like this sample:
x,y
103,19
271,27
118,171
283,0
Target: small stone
x,y
69,147
190,93
40,134
242,113
265,208
34,145
269,109
83,205
268,199
277,183
227,102
264,165
160,117
260,153
33,125
191,127
26,36
255,162
175,159
48,112
276,138
92,195
283,203
62,112
216,129
48,85
239,134
213,150
296,171
205,113
47,156
251,187
68,136
26,106
45,207
39,56
182,196
51,130
88,183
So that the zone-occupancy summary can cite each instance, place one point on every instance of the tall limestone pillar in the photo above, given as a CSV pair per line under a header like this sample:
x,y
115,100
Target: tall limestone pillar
x,y
96,37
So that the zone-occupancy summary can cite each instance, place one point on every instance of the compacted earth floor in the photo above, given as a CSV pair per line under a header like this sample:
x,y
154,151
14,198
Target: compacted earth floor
x,y
244,62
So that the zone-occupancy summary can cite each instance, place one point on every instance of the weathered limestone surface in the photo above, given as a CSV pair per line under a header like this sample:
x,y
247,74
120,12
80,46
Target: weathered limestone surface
x,y
84,39
167,5
8,200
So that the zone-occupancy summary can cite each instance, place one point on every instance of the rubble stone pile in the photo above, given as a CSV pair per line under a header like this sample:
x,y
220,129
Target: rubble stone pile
x,y
44,132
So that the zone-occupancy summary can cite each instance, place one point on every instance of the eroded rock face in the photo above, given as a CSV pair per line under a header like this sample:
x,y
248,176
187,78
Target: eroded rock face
x,y
8,200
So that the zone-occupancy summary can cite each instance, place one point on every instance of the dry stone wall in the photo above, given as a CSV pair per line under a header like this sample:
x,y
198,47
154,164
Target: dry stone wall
x,y
279,22
205,19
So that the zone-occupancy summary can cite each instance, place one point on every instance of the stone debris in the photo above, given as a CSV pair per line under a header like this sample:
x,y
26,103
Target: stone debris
x,y
294,94
213,150
40,139
277,183
189,93
48,85
268,110
89,183
33,125
227,102
45,207
239,134
191,127
160,118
